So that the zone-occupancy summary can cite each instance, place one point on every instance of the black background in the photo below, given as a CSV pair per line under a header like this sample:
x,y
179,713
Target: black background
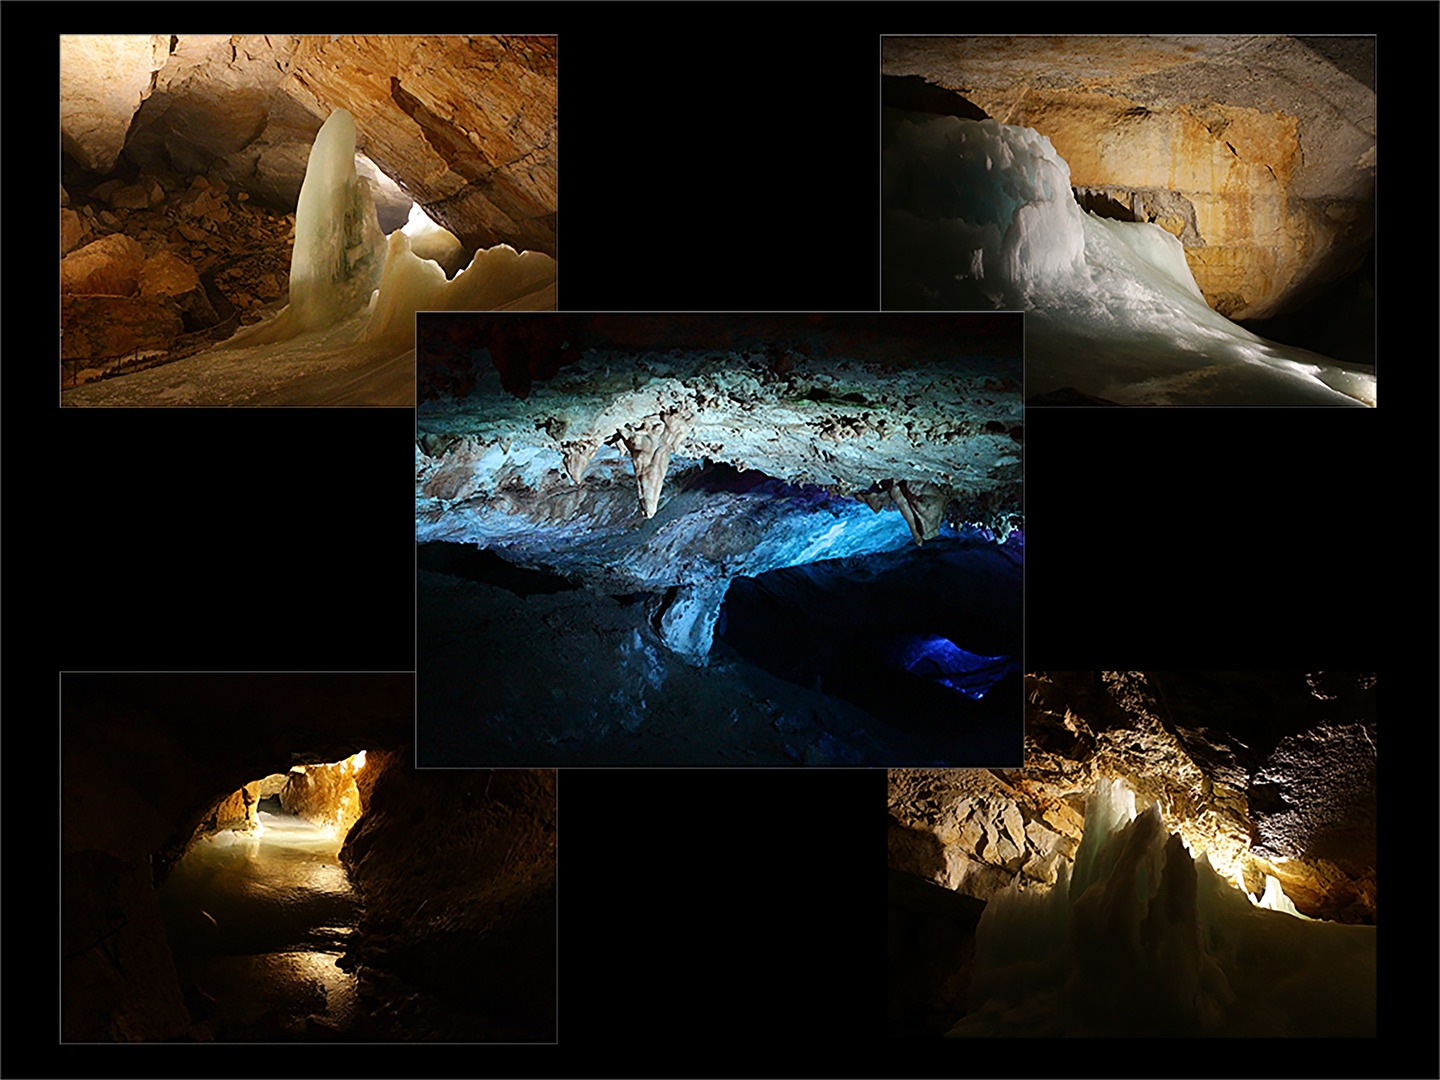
x,y
721,923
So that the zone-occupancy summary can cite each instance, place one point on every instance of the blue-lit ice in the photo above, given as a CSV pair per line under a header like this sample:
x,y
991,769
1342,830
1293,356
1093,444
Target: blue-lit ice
x,y
980,215
942,661
1141,939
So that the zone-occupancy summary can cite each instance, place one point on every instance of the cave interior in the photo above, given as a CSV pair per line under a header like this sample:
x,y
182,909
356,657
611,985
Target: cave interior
x,y
641,520
254,858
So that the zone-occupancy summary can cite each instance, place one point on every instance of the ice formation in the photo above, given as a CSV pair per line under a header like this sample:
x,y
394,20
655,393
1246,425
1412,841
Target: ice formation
x,y
1140,938
339,248
981,215
941,660
344,269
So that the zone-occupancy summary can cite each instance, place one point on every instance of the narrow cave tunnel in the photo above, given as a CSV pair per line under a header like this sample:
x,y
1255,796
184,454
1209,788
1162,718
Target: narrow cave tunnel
x,y
255,859
196,269
711,539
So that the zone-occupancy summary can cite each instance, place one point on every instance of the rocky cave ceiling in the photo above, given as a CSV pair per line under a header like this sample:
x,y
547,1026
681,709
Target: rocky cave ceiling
x,y
1258,152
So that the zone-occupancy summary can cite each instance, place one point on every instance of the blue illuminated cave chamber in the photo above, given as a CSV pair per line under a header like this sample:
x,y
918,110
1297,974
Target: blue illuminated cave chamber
x,y
927,640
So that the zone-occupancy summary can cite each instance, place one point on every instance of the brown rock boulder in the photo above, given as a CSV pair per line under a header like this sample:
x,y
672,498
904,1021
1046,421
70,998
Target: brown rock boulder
x,y
109,266
72,231
167,275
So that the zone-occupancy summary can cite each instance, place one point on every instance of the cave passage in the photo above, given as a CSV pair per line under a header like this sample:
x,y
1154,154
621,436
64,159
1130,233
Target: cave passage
x,y
257,923
926,640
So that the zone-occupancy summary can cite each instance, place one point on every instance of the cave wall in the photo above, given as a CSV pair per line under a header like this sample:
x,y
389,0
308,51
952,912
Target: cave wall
x,y
457,872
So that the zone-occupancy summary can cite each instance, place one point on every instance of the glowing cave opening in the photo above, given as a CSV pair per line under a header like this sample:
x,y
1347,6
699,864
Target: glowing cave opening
x,y
259,911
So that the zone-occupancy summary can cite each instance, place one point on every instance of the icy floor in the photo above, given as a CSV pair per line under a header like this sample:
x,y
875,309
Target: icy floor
x,y
329,367
257,924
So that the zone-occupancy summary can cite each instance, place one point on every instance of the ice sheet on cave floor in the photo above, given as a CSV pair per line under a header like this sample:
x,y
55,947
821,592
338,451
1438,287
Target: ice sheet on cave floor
x,y
1139,938
980,215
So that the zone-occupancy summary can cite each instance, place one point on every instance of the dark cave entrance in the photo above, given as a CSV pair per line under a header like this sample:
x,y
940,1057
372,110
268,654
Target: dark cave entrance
x,y
927,640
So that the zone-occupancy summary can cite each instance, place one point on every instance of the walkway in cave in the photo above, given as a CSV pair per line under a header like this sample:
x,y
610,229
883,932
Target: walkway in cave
x,y
257,925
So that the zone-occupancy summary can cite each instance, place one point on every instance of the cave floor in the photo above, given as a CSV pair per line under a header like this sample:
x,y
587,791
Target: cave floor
x,y
575,678
257,926
327,368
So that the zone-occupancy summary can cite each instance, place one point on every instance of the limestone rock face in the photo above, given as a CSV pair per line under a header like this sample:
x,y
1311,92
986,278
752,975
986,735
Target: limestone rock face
x,y
110,266
324,795
103,80
1257,152
466,125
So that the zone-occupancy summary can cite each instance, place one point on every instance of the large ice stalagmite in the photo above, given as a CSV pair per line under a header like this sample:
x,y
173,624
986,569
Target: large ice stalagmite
x,y
339,250
1139,938
980,215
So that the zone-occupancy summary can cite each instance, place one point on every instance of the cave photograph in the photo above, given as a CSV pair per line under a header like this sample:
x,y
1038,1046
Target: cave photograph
x,y
1184,854
1185,220
255,219
254,859
718,539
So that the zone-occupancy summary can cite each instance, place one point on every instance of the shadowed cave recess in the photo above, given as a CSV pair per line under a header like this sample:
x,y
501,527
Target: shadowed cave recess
x,y
1183,854
718,539
1168,210
255,859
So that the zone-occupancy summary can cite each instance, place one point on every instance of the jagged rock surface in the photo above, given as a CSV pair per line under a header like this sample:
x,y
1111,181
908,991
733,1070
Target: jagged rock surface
x,y
521,474
1285,790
